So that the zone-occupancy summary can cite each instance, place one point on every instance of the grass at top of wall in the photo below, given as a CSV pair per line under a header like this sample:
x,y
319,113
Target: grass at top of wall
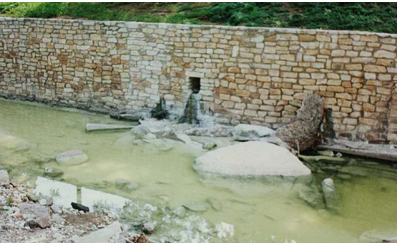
x,y
376,17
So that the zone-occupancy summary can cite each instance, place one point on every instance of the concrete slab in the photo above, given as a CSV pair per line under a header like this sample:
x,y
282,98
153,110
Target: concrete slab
x,y
63,194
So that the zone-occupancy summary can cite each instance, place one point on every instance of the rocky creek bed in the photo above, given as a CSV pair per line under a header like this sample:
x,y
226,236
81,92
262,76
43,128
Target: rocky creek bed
x,y
152,167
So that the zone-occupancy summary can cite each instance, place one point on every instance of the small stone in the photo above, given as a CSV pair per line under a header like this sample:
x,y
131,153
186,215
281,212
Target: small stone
x,y
339,155
148,227
53,172
209,145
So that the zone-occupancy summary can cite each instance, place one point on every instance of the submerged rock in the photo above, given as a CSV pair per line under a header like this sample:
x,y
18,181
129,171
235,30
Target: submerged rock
x,y
246,132
252,159
53,172
312,197
303,131
379,236
215,204
329,192
196,207
107,127
14,143
324,159
127,185
72,157
4,178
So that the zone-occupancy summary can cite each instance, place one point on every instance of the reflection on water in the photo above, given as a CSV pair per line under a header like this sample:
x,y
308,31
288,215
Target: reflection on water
x,y
162,174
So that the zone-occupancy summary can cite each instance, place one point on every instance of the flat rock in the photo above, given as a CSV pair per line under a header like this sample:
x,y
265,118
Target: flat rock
x,y
39,215
196,207
34,210
379,236
4,178
72,157
253,158
103,235
246,132
11,142
63,194
107,127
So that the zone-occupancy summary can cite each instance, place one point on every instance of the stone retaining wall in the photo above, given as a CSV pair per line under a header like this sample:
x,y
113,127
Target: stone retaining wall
x,y
246,75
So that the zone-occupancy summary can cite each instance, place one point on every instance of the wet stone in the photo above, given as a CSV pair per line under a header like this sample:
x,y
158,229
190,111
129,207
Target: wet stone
x,y
329,192
148,227
72,157
196,207
53,172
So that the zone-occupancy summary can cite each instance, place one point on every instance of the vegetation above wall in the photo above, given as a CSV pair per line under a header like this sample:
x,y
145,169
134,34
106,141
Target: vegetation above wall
x,y
376,17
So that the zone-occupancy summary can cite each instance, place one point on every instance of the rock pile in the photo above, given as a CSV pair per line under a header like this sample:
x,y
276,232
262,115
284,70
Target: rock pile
x,y
303,131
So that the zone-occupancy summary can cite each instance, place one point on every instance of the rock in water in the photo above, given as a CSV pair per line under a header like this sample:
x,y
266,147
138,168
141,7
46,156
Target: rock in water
x,y
196,207
107,127
148,227
53,172
245,132
72,157
302,132
329,192
4,178
253,158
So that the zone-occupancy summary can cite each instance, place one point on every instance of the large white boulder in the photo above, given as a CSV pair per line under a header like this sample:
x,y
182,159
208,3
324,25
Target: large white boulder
x,y
255,158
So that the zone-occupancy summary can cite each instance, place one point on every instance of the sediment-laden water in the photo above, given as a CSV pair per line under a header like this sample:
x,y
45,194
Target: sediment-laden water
x,y
261,210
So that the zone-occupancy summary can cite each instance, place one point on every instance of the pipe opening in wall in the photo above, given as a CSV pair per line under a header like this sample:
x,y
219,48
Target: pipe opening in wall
x,y
195,84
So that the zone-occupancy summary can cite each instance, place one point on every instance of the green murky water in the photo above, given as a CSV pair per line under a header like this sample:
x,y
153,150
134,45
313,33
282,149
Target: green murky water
x,y
260,210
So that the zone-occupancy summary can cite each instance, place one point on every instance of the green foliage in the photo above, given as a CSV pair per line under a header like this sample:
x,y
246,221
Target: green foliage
x,y
378,17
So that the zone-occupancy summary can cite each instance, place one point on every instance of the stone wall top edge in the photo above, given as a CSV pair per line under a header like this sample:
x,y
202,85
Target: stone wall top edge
x,y
186,26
